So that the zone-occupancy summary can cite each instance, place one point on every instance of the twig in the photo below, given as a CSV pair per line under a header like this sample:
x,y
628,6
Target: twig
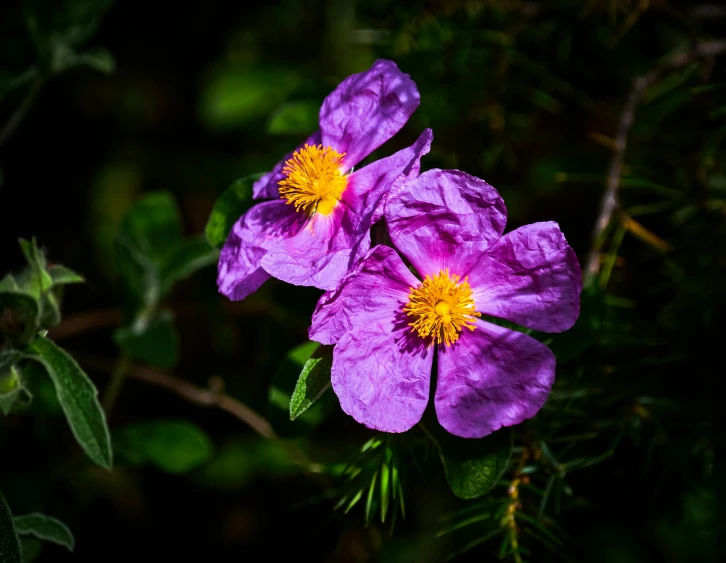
x,y
610,199
210,397
80,323
19,114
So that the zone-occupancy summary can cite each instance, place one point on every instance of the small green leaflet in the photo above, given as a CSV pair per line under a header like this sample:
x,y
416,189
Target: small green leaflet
x,y
45,528
314,380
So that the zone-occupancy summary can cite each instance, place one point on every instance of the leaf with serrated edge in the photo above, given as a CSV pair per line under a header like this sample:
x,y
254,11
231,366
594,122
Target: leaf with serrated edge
x,y
314,380
78,398
9,541
45,528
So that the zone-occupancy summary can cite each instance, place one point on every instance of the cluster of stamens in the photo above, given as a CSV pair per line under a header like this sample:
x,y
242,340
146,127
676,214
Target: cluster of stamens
x,y
442,306
313,180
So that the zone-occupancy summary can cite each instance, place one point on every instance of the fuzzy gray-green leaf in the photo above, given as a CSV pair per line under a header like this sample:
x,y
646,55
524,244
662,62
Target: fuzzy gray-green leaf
x,y
78,398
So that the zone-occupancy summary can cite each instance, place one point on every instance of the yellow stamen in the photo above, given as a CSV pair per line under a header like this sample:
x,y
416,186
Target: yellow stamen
x,y
441,307
313,180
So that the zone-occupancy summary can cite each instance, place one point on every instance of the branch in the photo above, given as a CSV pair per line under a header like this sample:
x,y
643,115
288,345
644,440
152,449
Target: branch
x,y
610,200
210,397
80,323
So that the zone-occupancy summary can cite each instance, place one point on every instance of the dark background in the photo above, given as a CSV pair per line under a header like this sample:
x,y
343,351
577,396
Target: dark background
x,y
526,95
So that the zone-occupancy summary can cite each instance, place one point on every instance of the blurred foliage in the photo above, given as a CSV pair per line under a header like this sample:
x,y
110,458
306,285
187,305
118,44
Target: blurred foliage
x,y
119,174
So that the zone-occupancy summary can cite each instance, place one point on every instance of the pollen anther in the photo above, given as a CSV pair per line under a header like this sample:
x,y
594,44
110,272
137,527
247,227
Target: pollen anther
x,y
441,307
313,180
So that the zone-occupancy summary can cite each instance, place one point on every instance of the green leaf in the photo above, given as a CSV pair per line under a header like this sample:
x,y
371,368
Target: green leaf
x,y
314,380
78,397
235,201
174,446
472,466
155,343
42,281
147,234
9,541
187,257
297,118
283,385
63,276
45,528
234,96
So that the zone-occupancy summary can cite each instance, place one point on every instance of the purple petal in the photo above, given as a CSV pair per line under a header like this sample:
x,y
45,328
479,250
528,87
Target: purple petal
x,y
374,295
239,271
444,219
266,187
531,277
491,377
366,110
369,187
320,254
382,377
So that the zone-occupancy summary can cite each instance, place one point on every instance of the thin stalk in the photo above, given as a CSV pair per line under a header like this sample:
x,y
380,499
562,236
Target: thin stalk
x,y
19,114
113,388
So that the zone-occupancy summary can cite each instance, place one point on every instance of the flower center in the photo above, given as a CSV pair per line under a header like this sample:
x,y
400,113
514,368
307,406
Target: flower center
x,y
313,180
441,307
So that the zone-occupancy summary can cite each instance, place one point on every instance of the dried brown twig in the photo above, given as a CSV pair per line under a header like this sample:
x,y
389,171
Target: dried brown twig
x,y
213,396
610,201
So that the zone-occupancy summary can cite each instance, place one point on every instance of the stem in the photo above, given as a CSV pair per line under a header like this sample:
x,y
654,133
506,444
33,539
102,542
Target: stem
x,y
19,114
113,388
610,201
210,397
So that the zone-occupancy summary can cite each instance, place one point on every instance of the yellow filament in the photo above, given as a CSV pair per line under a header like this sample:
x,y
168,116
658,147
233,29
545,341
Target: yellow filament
x,y
313,180
441,307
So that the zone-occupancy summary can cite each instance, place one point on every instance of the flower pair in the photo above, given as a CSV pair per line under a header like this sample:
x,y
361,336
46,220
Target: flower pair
x,y
390,326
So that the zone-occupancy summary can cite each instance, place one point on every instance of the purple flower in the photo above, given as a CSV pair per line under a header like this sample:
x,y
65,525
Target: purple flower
x,y
316,227
387,323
